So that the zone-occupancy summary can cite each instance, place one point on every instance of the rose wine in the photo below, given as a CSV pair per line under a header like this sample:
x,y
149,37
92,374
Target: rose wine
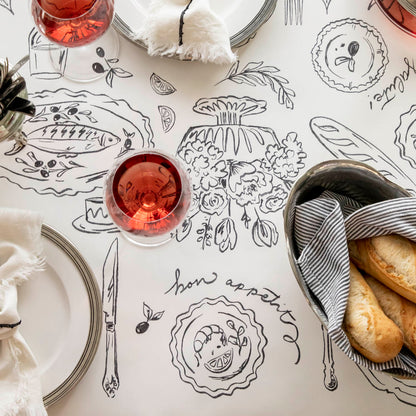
x,y
147,190
72,22
399,15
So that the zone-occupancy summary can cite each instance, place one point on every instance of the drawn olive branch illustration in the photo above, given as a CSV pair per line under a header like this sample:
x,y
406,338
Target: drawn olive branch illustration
x,y
256,74
150,316
111,71
237,340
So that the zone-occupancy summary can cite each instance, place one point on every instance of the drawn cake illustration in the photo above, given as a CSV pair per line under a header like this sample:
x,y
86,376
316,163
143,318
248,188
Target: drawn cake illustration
x,y
95,218
238,171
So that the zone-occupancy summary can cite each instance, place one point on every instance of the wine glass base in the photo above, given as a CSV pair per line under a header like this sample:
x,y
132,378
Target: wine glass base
x,y
148,241
90,62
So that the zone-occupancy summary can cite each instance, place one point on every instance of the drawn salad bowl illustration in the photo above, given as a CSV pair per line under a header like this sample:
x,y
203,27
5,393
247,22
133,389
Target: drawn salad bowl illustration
x,y
68,130
238,171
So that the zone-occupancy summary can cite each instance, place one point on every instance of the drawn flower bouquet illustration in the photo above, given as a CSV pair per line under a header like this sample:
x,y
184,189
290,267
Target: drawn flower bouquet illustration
x,y
238,171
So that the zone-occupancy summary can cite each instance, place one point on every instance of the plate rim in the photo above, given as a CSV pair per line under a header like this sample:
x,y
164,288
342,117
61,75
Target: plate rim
x,y
236,40
95,325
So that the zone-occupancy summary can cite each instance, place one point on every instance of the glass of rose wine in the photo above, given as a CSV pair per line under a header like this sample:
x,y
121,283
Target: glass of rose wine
x,y
147,195
82,26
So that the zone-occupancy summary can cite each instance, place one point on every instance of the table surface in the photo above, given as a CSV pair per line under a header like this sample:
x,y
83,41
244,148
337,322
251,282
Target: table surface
x,y
305,93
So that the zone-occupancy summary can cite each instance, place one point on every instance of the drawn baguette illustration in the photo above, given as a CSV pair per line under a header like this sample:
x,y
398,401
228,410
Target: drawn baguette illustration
x,y
343,143
369,330
400,310
391,259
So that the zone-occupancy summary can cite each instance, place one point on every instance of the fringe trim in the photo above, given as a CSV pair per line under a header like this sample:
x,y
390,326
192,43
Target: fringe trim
x,y
204,52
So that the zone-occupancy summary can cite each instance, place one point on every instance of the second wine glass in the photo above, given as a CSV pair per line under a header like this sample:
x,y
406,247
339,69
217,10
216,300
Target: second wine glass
x,y
82,26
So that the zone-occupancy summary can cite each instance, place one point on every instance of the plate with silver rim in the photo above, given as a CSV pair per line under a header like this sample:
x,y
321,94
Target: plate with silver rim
x,y
243,18
60,308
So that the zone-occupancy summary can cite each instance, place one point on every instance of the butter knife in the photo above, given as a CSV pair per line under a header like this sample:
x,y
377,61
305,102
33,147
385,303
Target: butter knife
x,y
110,380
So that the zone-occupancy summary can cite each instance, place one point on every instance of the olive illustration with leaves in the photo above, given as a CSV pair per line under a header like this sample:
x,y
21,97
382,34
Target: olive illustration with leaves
x,y
111,70
148,313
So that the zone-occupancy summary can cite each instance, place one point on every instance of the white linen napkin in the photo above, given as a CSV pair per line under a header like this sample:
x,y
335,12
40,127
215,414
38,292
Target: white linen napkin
x,y
20,255
188,29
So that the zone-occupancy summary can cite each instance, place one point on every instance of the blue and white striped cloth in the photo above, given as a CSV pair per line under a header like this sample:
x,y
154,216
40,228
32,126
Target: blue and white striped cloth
x,y
322,228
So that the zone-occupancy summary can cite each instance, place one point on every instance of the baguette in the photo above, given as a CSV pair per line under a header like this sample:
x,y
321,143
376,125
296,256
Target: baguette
x,y
368,329
391,259
400,310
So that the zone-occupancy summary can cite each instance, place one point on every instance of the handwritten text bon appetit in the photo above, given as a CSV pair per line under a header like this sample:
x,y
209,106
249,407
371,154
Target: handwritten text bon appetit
x,y
265,295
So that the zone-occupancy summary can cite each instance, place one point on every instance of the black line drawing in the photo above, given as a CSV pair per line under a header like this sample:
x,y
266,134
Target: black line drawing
x,y
237,169
68,129
293,12
349,55
405,138
371,4
95,219
110,382
343,143
256,74
161,86
7,4
326,3
404,390
217,346
111,70
39,57
148,313
167,117
330,379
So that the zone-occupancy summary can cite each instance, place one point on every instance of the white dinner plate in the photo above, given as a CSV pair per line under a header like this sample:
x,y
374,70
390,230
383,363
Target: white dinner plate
x,y
60,308
242,17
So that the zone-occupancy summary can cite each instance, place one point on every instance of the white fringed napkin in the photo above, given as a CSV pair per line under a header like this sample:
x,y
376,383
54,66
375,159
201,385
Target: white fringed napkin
x,y
20,255
188,29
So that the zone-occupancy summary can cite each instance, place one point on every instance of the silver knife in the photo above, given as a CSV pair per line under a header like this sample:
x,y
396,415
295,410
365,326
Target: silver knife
x,y
110,381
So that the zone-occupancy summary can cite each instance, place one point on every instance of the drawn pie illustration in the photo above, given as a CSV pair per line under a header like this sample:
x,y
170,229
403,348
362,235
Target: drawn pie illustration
x,y
406,136
217,346
349,55
68,130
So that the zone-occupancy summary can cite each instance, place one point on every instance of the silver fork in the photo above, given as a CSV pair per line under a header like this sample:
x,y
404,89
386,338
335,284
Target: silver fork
x,y
293,12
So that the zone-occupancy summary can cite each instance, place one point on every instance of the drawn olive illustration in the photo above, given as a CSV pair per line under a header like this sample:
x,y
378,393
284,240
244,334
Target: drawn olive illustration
x,y
148,313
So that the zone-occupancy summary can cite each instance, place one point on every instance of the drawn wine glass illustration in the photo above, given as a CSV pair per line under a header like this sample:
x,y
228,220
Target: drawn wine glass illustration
x,y
147,195
82,26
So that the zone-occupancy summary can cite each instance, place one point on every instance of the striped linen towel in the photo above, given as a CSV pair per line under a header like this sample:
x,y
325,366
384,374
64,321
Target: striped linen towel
x,y
322,227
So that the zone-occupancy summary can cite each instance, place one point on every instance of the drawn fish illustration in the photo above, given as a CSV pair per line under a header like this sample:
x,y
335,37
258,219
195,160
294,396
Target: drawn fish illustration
x,y
69,140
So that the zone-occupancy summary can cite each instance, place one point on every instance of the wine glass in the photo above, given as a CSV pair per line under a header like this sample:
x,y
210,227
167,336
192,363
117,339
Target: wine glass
x,y
147,195
82,26
401,12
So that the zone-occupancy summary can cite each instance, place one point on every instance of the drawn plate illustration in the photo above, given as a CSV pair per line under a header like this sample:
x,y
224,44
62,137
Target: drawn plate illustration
x,y
61,316
349,55
68,130
406,136
217,346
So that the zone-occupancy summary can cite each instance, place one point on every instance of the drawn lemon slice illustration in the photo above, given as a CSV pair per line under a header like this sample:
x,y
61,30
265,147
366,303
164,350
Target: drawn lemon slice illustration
x,y
167,117
220,363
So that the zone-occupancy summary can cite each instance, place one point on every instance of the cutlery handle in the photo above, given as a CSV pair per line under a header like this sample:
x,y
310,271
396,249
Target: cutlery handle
x,y
110,381
330,379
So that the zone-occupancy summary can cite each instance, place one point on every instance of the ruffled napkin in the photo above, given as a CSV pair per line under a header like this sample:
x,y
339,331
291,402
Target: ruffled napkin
x,y
322,228
20,255
188,29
